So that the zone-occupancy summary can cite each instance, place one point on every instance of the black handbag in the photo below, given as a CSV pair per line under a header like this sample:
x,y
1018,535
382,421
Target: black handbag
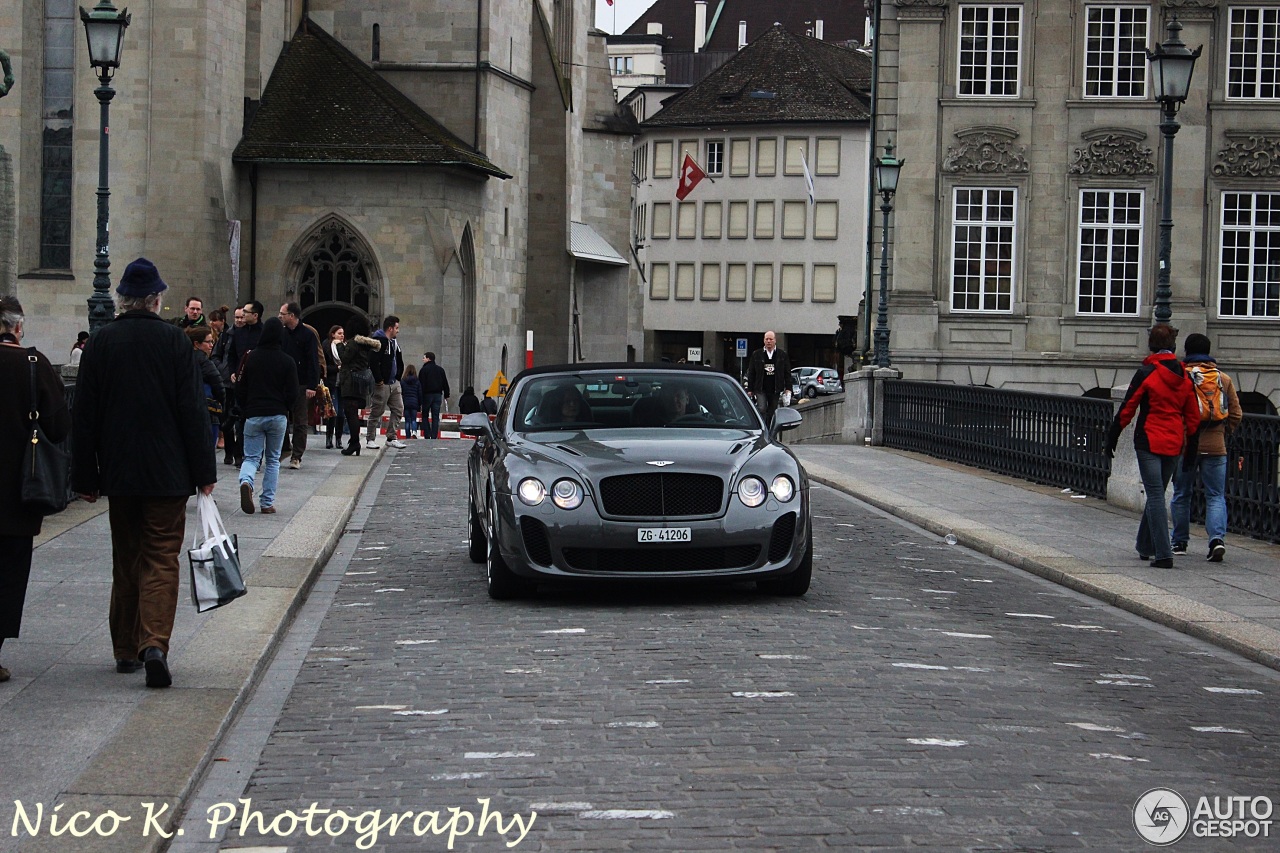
x,y
46,465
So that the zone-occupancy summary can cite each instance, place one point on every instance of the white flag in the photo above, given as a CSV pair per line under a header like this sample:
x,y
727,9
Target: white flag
x,y
808,178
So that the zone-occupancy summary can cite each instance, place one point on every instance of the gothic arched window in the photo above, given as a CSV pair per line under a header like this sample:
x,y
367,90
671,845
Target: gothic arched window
x,y
336,270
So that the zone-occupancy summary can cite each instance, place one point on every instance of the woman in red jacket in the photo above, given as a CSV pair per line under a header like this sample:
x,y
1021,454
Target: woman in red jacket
x,y
1164,401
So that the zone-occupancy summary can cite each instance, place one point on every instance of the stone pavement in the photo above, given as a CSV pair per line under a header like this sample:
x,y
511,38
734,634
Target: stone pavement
x,y
76,734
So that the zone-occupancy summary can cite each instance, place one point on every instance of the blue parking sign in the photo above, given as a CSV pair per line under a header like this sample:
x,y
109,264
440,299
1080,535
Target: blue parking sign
x,y
742,347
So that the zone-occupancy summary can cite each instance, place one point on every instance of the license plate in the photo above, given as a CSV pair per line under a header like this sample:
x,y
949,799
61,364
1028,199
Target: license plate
x,y
663,534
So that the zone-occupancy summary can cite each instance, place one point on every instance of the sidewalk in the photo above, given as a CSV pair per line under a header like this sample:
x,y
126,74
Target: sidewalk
x,y
1081,543
76,733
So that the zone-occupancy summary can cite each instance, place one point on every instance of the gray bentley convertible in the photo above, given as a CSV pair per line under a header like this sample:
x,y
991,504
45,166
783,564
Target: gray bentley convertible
x,y
635,472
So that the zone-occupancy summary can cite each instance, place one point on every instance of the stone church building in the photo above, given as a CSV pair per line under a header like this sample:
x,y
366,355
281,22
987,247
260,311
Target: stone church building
x,y
460,165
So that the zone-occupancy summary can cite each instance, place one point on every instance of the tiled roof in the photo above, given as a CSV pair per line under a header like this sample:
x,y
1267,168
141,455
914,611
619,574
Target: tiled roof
x,y
324,105
842,20
779,77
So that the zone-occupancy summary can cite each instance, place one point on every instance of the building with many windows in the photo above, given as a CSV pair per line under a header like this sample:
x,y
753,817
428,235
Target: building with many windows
x,y
775,236
1024,239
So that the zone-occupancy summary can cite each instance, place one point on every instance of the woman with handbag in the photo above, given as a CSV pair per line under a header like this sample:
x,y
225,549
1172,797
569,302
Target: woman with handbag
x,y
21,369
355,379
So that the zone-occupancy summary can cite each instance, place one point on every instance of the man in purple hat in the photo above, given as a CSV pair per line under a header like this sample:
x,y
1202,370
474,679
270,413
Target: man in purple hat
x,y
140,436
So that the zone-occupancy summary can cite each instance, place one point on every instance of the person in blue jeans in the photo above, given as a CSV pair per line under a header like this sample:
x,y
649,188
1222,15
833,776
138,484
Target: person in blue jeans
x,y
267,388
411,392
1162,404
1208,454
435,390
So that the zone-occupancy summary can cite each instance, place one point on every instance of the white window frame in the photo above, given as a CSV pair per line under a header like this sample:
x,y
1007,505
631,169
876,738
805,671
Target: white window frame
x,y
989,286
1254,61
1106,58
715,157
979,69
1108,230
1261,298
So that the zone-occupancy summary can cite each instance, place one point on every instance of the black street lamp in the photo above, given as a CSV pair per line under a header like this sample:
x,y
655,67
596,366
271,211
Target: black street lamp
x,y
888,168
104,28
1171,65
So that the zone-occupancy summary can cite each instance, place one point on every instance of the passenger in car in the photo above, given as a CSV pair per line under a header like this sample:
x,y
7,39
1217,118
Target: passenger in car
x,y
563,404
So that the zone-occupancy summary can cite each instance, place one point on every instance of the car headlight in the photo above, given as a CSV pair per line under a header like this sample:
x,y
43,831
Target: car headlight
x,y
751,491
531,491
783,489
566,494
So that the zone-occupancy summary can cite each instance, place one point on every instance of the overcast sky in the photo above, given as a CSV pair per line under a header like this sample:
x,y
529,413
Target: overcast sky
x,y
626,12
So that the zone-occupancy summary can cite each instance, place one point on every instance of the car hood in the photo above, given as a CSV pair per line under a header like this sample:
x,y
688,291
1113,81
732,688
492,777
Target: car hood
x,y
604,453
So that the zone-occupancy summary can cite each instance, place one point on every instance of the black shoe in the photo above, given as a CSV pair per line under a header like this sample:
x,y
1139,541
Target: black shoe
x,y
1142,556
157,668
1162,563
1217,550
1179,549
328,444
128,665
228,460
352,448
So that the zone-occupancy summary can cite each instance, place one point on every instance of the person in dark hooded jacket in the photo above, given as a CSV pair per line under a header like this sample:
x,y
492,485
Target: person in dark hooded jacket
x,y
267,388
1163,400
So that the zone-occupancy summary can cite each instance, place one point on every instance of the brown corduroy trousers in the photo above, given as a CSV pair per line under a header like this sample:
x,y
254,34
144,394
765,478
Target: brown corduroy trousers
x,y
146,542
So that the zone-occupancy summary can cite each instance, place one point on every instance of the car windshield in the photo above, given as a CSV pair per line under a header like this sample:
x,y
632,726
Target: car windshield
x,y
626,400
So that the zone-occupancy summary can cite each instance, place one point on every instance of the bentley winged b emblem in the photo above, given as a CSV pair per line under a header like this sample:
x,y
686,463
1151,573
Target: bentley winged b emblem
x,y
661,463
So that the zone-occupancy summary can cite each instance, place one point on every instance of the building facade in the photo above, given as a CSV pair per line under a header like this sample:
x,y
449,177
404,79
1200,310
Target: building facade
x,y
775,237
1024,238
431,160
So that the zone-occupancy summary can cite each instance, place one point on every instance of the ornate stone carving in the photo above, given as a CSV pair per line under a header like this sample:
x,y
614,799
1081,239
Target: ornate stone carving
x,y
986,152
1190,4
1255,155
1113,154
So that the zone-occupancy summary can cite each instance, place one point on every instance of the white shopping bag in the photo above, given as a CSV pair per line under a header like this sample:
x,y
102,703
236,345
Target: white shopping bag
x,y
214,559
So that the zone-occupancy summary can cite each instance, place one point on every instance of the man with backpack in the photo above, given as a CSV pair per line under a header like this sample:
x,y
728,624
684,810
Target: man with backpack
x,y
1220,414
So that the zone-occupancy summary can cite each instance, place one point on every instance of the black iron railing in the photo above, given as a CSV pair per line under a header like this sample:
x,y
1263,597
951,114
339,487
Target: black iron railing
x,y
1253,475
1046,438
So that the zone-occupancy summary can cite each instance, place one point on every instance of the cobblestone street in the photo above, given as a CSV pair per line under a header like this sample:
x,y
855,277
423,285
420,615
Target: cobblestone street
x,y
920,696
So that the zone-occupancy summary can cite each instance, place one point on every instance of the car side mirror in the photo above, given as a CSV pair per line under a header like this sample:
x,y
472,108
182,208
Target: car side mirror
x,y
476,424
785,419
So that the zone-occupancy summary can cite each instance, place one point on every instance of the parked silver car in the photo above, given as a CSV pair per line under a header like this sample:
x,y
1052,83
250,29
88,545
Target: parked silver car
x,y
817,380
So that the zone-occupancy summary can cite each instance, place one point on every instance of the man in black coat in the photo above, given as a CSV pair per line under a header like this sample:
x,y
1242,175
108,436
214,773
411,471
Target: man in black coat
x,y
768,375
435,390
140,436
300,344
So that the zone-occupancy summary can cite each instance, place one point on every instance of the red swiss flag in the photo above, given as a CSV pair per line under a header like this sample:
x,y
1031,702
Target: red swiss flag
x,y
691,175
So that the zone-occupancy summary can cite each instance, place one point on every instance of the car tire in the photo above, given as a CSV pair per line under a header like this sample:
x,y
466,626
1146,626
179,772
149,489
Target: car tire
x,y
795,584
477,543
811,392
504,584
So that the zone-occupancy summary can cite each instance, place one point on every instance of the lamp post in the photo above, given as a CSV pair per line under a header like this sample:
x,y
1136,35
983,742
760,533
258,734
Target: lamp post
x,y
1171,66
104,29
888,168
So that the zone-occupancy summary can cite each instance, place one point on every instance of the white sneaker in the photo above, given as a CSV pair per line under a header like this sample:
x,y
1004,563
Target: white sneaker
x,y
372,445
397,444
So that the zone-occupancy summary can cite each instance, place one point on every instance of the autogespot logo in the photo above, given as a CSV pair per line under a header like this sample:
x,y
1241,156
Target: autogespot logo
x,y
1161,816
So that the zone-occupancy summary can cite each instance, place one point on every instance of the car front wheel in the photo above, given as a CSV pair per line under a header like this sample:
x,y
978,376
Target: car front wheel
x,y
504,584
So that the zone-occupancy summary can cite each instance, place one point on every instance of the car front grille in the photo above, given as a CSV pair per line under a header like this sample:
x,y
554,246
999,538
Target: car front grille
x,y
536,542
784,530
660,495
661,559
